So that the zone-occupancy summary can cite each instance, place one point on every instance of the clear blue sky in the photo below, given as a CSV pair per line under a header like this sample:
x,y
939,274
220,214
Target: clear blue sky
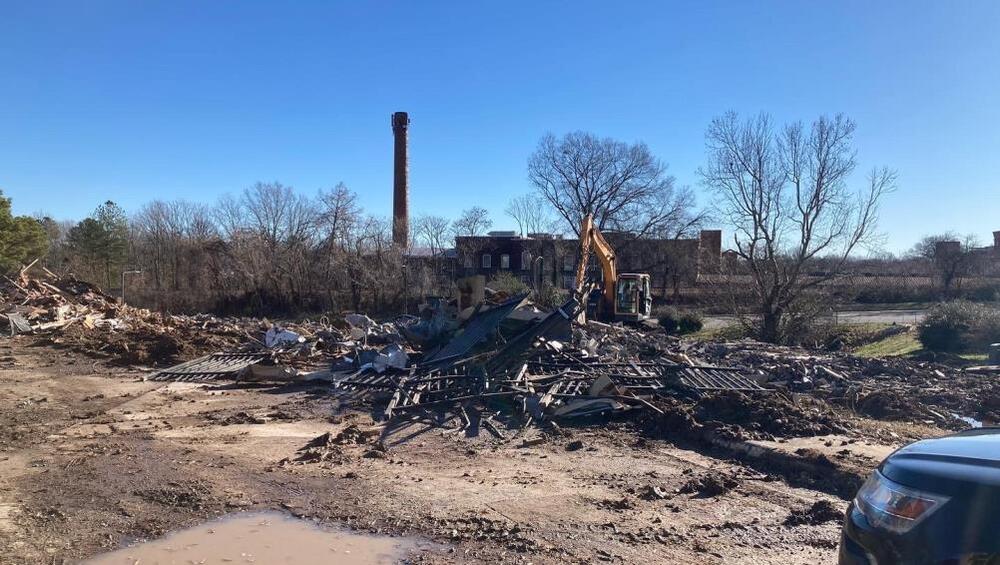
x,y
132,101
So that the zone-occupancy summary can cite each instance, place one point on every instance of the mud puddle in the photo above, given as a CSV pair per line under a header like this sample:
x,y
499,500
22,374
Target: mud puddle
x,y
262,538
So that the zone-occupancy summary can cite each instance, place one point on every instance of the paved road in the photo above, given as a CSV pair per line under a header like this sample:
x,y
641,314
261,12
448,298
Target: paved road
x,y
881,316
911,316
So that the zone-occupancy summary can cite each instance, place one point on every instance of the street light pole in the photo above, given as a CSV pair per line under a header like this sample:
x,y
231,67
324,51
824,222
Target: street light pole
x,y
123,282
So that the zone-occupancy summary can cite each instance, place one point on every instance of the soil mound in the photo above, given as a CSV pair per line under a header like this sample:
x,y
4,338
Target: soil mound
x,y
821,512
764,416
709,485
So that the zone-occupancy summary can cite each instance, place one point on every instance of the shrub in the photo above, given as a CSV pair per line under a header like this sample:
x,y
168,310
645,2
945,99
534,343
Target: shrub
x,y
550,297
675,321
960,326
987,331
690,322
894,294
985,294
669,319
508,283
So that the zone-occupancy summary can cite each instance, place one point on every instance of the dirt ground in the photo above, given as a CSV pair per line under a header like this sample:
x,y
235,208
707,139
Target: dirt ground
x,y
94,457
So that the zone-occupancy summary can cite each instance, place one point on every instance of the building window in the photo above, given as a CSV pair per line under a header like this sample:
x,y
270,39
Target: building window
x,y
505,261
525,261
487,261
568,263
568,281
470,261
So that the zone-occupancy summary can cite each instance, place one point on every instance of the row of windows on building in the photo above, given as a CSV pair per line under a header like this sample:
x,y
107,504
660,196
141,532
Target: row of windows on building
x,y
569,262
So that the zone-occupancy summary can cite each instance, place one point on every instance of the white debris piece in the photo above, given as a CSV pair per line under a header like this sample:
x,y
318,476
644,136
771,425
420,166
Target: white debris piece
x,y
360,324
278,335
360,321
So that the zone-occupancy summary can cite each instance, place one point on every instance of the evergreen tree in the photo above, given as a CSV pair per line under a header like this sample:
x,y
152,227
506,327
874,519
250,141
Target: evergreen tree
x,y
102,241
22,238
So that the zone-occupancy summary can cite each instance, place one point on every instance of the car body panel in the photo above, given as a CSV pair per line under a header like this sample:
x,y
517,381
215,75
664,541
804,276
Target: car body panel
x,y
966,468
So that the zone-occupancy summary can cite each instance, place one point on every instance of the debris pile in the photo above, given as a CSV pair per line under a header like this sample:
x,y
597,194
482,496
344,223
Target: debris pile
x,y
505,373
77,314
506,365
882,388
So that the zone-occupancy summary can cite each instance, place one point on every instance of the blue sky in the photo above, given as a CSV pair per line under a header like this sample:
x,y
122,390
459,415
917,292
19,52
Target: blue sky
x,y
132,101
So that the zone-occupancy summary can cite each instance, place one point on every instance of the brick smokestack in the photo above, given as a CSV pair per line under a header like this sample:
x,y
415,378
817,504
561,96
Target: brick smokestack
x,y
400,181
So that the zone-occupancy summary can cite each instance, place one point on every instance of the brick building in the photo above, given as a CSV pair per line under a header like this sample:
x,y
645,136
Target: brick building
x,y
985,260
989,257
540,258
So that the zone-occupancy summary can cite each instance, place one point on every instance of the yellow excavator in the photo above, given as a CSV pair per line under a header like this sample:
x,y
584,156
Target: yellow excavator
x,y
624,297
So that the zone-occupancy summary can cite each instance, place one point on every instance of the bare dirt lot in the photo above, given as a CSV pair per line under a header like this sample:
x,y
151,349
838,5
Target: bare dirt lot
x,y
94,457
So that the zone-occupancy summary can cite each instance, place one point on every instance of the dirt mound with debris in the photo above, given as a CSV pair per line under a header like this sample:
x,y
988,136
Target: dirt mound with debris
x,y
328,446
893,389
736,416
890,405
709,485
765,416
72,313
351,435
821,512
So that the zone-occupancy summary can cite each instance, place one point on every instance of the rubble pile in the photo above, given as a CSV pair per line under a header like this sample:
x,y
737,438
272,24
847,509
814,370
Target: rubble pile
x,y
506,365
80,315
615,342
882,388
504,373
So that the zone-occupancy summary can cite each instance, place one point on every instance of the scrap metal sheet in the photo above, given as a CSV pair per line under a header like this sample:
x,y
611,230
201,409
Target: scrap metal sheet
x,y
476,330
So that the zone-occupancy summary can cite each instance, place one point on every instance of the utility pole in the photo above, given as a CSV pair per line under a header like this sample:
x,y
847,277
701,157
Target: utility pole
x,y
123,282
405,288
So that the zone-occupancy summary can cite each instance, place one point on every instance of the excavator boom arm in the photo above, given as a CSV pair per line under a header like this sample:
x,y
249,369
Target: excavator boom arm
x,y
591,239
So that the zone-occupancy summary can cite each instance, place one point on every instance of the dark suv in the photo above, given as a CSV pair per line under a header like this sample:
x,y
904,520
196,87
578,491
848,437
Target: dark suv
x,y
933,501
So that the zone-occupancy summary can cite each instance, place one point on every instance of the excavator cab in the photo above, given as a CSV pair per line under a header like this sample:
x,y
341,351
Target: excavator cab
x,y
623,297
633,300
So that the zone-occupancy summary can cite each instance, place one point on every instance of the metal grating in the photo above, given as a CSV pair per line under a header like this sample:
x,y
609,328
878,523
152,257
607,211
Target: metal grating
x,y
717,378
209,367
653,377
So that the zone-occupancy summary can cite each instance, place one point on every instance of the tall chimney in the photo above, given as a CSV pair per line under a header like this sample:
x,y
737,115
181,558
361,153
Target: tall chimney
x,y
400,181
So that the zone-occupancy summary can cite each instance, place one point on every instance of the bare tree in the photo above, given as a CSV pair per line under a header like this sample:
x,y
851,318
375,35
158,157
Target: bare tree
x,y
339,212
531,213
269,250
679,217
474,221
271,233
433,232
623,185
785,194
950,256
170,242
